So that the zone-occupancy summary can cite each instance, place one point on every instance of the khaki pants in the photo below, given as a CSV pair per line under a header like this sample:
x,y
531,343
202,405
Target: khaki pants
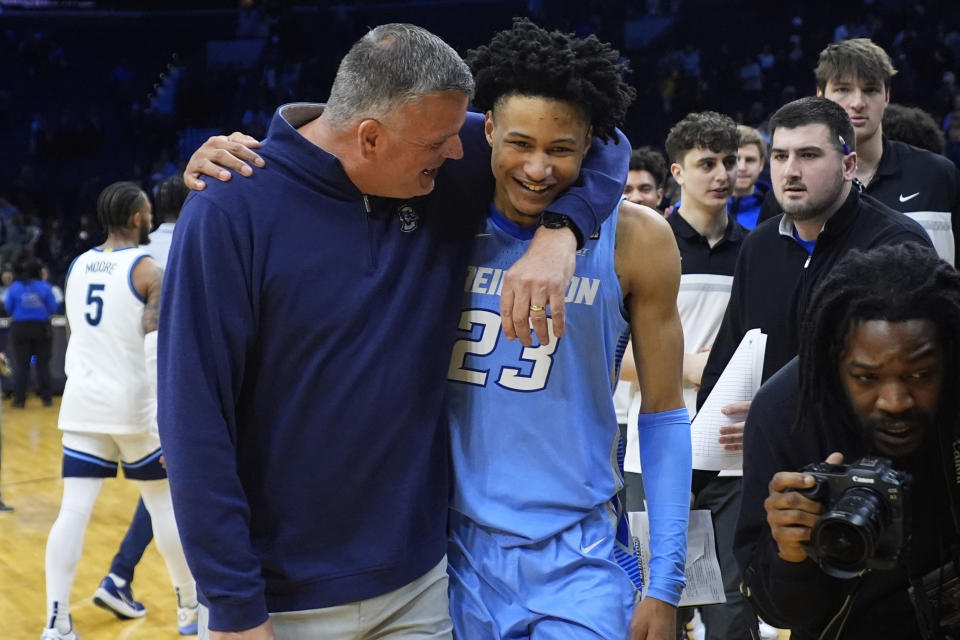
x,y
417,610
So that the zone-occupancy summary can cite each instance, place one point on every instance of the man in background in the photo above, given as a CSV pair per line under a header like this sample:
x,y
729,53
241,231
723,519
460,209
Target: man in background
x,y
108,412
749,191
115,592
645,179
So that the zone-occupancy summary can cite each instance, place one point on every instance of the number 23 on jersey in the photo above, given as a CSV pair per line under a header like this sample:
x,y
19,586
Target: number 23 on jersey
x,y
467,360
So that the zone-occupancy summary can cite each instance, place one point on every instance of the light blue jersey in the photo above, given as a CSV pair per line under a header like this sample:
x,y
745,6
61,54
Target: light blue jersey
x,y
533,429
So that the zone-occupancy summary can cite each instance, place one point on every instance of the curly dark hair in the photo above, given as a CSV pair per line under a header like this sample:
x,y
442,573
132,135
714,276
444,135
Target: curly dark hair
x,y
650,160
704,130
168,197
914,126
530,61
893,283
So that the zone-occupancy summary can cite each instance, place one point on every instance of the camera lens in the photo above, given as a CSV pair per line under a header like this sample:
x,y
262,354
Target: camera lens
x,y
846,536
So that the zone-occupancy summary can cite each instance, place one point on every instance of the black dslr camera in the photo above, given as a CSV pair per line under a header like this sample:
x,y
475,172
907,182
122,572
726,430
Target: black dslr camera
x,y
864,524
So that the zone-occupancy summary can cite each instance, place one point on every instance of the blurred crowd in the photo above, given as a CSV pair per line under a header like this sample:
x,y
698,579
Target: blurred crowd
x,y
82,119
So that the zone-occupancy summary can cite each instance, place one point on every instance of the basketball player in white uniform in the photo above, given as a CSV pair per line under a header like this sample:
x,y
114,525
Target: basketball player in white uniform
x,y
108,413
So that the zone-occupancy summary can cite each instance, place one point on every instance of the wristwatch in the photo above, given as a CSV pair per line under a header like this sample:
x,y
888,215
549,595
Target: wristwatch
x,y
552,220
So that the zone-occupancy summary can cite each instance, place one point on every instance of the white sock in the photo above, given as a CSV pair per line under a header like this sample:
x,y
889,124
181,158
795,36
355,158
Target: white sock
x,y
156,497
65,546
59,620
117,580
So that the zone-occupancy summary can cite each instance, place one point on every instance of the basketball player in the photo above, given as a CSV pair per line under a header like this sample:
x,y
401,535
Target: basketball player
x,y
108,413
115,592
534,545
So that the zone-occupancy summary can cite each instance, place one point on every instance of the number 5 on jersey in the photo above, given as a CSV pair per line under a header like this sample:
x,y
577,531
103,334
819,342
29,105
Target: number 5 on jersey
x,y
94,315
484,344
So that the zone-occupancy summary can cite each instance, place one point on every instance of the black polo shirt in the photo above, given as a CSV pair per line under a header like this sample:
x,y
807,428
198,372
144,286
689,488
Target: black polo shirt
x,y
705,283
697,256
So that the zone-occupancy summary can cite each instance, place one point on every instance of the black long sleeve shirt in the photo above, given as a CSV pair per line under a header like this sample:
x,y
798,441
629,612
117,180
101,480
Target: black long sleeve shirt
x,y
800,596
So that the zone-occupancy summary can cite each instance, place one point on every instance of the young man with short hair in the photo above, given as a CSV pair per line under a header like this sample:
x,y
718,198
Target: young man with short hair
x,y
703,148
645,179
812,167
856,74
749,191
703,152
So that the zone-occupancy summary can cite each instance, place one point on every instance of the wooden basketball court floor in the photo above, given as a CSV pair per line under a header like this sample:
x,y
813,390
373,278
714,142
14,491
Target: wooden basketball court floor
x,y
30,482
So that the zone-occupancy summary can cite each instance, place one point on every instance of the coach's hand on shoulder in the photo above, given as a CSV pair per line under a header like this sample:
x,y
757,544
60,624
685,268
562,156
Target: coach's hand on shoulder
x,y
653,620
790,514
537,280
218,154
260,632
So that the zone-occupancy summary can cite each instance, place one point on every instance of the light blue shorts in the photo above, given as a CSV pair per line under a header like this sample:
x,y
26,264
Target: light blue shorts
x,y
566,587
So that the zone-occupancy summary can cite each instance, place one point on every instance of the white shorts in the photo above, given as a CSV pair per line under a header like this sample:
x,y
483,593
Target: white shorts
x,y
96,455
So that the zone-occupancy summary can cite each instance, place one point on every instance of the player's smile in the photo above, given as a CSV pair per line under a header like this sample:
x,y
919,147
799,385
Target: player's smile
x,y
538,144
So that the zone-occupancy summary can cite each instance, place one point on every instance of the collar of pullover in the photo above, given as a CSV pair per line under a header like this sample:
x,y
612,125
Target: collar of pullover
x,y
295,153
840,220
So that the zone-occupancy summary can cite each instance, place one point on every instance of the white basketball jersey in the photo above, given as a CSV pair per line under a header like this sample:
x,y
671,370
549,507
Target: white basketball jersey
x,y
107,389
159,247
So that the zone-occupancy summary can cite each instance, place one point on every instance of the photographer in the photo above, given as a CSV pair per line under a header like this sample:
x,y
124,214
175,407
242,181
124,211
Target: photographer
x,y
876,375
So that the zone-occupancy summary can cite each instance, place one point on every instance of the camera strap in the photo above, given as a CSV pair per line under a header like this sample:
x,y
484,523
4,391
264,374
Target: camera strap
x,y
953,490
921,607
835,627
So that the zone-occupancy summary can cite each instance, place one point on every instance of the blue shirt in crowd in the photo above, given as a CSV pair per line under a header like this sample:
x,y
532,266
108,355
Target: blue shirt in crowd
x,y
30,300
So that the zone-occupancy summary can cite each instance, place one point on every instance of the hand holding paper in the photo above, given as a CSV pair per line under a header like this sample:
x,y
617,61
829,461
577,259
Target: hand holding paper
x,y
717,430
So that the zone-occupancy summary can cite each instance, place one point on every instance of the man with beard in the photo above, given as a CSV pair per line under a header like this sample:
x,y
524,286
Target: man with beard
x,y
876,376
115,593
108,413
813,162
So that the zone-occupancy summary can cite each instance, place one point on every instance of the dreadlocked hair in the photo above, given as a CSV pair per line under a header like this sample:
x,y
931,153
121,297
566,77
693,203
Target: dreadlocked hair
x,y
530,61
894,283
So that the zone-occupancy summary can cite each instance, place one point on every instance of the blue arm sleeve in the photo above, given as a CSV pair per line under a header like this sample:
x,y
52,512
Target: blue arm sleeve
x,y
667,459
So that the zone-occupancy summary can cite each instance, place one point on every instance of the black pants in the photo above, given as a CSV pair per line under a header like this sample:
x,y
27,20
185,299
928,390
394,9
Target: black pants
x,y
734,619
29,339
